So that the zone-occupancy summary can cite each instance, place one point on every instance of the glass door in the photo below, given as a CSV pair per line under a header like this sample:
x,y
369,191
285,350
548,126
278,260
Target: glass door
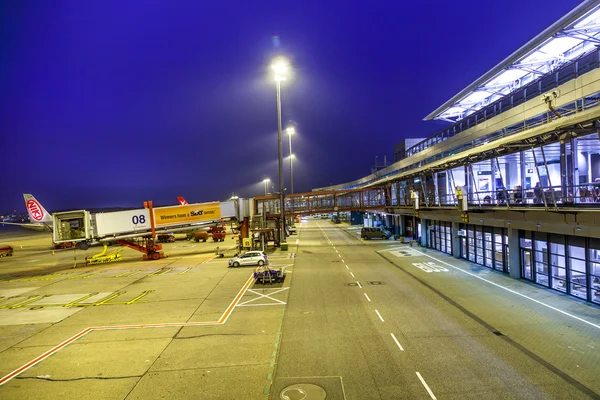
x,y
526,263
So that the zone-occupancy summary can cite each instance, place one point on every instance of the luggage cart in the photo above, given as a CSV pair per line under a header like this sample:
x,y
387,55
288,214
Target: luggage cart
x,y
267,275
229,253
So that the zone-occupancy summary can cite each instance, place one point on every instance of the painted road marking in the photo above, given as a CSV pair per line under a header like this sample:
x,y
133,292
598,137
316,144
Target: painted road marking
x,y
352,275
430,267
379,315
359,285
514,292
342,260
347,267
264,296
367,296
297,241
222,320
397,342
426,387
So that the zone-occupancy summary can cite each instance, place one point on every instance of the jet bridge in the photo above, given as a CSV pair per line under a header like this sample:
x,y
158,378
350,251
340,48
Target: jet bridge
x,y
138,228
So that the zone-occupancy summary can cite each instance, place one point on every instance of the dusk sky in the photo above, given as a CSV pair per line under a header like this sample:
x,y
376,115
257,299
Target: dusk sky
x,y
110,103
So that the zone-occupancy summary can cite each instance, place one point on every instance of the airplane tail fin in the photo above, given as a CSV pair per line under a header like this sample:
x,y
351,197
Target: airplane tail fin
x,y
37,213
182,201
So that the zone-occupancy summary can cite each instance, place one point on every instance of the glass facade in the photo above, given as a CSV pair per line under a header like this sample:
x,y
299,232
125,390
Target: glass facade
x,y
485,245
550,176
568,264
440,236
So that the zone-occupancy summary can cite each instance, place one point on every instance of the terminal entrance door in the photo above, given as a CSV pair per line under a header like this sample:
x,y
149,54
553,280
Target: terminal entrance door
x,y
526,263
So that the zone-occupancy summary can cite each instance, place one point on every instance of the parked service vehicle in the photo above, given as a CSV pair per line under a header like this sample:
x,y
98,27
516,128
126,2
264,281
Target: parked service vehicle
x,y
165,238
250,258
375,233
6,251
335,219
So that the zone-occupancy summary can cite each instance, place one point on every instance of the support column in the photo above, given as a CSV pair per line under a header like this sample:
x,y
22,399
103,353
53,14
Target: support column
x,y
425,232
455,240
401,226
514,258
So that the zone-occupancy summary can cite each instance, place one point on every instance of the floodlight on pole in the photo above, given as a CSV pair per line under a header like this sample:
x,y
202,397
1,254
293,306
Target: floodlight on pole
x,y
266,181
281,67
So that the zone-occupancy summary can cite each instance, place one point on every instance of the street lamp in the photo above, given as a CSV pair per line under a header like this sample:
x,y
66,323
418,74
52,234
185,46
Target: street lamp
x,y
280,66
290,131
266,182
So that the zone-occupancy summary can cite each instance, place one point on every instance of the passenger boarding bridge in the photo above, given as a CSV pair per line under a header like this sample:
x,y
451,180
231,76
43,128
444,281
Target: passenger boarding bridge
x,y
138,228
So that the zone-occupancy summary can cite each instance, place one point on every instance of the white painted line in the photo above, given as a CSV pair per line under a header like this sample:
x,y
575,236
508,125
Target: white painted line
x,y
426,387
359,285
336,250
339,255
352,275
379,315
297,241
397,342
513,291
367,296
342,260
347,267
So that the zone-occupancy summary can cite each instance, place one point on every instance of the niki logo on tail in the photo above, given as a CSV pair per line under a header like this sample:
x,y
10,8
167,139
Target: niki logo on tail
x,y
182,201
35,210
40,219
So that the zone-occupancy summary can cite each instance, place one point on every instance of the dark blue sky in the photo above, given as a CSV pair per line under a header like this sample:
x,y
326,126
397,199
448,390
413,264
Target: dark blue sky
x,y
110,103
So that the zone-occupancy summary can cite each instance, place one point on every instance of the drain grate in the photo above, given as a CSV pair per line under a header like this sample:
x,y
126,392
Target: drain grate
x,y
376,283
497,333
352,284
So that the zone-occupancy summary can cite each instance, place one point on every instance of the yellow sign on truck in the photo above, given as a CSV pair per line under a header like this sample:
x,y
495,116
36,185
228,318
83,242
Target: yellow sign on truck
x,y
191,213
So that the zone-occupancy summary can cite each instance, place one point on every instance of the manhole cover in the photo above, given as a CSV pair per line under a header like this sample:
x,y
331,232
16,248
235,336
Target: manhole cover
x,y
375,283
303,391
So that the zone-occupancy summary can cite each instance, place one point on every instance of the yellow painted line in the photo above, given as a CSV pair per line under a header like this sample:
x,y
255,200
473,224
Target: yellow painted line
x,y
71,304
181,273
126,274
95,273
165,271
139,297
78,275
155,272
30,301
109,298
7,305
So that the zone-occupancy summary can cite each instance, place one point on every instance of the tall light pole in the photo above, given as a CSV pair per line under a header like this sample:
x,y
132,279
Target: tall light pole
x,y
290,131
266,182
280,67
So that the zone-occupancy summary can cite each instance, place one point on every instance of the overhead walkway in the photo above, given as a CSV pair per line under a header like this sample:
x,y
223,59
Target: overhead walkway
x,y
324,202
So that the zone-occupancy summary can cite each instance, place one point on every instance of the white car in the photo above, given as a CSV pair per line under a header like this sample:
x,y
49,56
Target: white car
x,y
250,258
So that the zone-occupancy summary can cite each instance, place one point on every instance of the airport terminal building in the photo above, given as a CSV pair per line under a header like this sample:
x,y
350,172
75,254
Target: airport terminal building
x,y
513,183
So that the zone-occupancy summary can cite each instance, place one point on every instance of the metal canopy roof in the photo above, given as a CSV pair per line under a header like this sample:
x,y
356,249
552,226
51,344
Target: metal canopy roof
x,y
572,36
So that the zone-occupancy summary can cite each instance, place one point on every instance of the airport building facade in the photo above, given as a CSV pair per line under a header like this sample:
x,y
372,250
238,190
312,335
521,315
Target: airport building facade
x,y
513,183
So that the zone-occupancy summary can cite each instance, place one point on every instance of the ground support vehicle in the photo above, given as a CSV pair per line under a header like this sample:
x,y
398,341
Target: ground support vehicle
x,y
64,245
103,258
168,238
267,275
6,251
216,232
230,252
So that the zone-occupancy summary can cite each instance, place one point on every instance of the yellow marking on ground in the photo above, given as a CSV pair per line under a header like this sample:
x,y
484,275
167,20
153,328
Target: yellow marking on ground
x,y
181,273
107,299
74,303
23,304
